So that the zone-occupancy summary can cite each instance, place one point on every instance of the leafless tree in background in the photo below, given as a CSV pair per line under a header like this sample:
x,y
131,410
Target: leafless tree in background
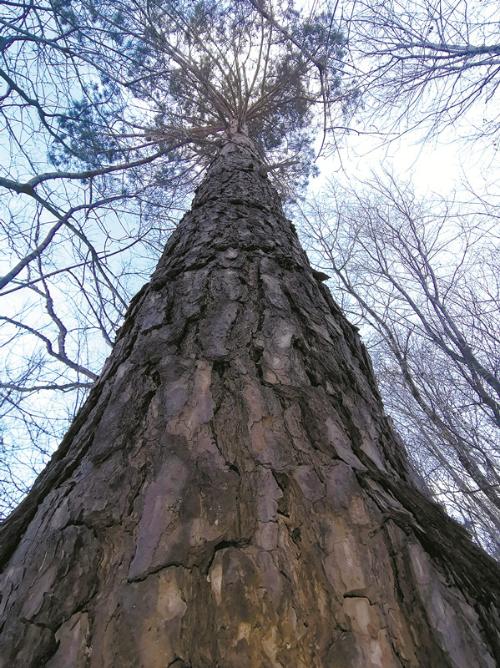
x,y
422,281
428,63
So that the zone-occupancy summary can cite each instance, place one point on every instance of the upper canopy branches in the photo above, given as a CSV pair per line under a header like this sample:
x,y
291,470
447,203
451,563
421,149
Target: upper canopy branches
x,y
180,74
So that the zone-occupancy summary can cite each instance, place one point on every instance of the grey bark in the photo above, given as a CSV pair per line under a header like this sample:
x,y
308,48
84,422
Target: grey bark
x,y
231,494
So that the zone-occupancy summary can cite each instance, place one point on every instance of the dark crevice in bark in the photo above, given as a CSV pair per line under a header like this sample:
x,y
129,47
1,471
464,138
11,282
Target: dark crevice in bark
x,y
238,544
158,569
178,663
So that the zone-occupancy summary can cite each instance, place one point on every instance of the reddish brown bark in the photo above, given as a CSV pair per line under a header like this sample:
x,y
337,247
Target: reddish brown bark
x,y
232,494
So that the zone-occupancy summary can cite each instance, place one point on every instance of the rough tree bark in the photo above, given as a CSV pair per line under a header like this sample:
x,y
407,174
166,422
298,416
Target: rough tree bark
x,y
231,493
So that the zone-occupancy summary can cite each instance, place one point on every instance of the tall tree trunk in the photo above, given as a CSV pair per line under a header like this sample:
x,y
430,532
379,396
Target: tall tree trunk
x,y
231,493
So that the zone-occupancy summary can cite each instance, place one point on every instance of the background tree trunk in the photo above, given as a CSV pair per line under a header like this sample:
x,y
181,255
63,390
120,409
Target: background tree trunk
x,y
231,494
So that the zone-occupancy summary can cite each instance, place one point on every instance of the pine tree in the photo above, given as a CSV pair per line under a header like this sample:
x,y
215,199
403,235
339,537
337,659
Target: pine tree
x,y
231,493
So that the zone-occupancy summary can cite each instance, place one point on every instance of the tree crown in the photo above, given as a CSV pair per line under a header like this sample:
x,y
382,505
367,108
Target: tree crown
x,y
180,76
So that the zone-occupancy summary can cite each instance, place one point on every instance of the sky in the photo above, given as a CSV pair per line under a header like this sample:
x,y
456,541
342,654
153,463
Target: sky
x,y
440,165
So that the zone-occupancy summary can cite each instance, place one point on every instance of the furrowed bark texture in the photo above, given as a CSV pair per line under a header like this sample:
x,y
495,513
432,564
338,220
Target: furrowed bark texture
x,y
231,494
